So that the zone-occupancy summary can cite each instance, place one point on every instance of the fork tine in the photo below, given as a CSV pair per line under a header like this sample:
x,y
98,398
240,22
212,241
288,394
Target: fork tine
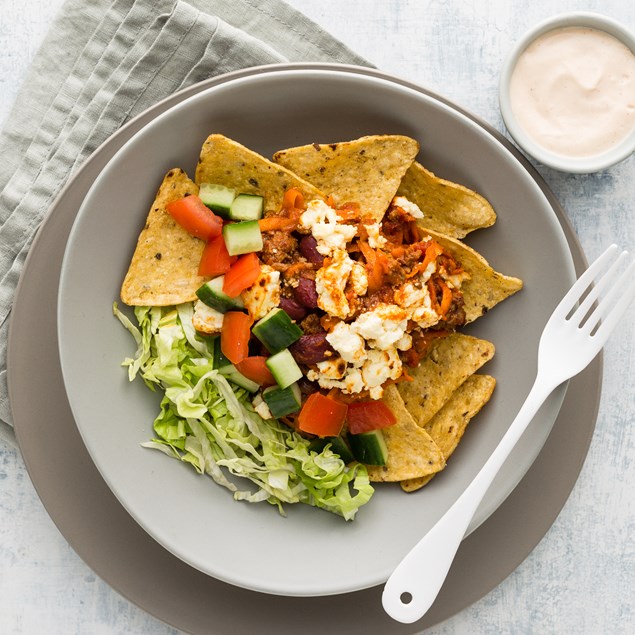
x,y
601,284
573,295
625,289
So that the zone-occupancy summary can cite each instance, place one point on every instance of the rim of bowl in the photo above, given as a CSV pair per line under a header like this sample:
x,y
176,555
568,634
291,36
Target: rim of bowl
x,y
579,165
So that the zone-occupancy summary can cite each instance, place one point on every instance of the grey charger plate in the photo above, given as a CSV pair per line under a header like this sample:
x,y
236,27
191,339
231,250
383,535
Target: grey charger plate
x,y
110,541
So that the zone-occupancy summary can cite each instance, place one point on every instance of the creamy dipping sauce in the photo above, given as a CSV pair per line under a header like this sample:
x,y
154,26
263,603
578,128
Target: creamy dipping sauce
x,y
573,91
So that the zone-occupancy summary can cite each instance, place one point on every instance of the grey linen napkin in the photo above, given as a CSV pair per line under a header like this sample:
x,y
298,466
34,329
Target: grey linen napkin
x,y
101,64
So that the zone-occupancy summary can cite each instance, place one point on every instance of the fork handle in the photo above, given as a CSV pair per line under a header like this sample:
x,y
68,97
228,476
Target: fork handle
x,y
415,583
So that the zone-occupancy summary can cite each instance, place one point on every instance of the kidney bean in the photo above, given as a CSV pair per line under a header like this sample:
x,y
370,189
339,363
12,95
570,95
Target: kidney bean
x,y
308,248
306,294
311,349
295,310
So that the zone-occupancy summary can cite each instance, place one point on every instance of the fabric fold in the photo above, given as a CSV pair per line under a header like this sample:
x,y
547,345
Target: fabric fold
x,y
103,63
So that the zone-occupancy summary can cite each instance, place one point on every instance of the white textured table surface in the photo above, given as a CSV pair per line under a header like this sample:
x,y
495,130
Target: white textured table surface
x,y
581,577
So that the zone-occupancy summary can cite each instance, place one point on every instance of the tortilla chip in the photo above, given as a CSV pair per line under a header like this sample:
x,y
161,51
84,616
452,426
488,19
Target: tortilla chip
x,y
367,170
164,266
227,162
486,287
447,427
411,451
449,363
449,208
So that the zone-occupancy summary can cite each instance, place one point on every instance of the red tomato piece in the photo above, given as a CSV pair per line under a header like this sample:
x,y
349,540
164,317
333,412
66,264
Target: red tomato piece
x,y
215,261
234,336
322,416
195,217
242,274
254,368
364,416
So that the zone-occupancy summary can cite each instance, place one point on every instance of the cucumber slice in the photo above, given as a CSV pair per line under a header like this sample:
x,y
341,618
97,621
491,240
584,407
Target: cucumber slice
x,y
282,401
232,374
219,361
226,368
217,197
212,342
369,447
242,238
247,207
284,368
338,446
212,294
276,330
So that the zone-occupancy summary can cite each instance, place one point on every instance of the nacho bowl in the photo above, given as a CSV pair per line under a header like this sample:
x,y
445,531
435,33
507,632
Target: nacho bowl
x,y
309,552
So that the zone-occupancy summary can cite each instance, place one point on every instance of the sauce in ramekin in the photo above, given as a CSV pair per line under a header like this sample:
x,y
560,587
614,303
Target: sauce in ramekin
x,y
573,91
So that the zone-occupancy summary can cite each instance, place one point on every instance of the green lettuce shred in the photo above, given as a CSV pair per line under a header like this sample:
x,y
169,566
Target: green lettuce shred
x,y
210,423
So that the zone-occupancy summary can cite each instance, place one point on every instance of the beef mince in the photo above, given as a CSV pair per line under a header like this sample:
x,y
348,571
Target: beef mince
x,y
280,249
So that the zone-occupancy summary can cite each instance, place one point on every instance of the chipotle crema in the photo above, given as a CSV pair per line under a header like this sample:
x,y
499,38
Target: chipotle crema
x,y
573,91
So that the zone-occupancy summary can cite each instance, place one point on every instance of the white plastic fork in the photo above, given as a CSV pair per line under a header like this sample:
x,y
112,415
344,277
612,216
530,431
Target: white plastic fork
x,y
569,342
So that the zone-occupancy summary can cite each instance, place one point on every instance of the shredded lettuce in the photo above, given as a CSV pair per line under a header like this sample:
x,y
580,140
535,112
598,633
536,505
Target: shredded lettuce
x,y
210,423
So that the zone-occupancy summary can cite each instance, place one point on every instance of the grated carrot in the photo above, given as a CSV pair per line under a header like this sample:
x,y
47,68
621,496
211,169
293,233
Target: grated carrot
x,y
293,199
274,223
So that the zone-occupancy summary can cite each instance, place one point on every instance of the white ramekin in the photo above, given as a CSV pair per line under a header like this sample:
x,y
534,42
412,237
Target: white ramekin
x,y
559,162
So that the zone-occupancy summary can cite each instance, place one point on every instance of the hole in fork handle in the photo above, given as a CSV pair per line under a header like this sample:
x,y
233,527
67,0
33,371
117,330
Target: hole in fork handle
x,y
406,597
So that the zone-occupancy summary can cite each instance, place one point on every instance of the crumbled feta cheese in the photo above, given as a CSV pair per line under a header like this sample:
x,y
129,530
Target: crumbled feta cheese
x,y
205,319
261,407
330,283
379,368
408,295
369,346
417,304
375,239
363,364
264,294
347,343
407,206
332,368
358,279
456,280
351,381
428,271
405,343
383,326
424,317
317,213
326,226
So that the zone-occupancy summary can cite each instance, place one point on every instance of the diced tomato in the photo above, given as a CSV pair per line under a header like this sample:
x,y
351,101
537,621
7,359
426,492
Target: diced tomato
x,y
234,336
242,274
195,218
364,416
254,368
322,416
215,261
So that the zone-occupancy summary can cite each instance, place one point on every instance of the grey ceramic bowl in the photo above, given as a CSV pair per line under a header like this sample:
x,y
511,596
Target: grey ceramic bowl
x,y
309,552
